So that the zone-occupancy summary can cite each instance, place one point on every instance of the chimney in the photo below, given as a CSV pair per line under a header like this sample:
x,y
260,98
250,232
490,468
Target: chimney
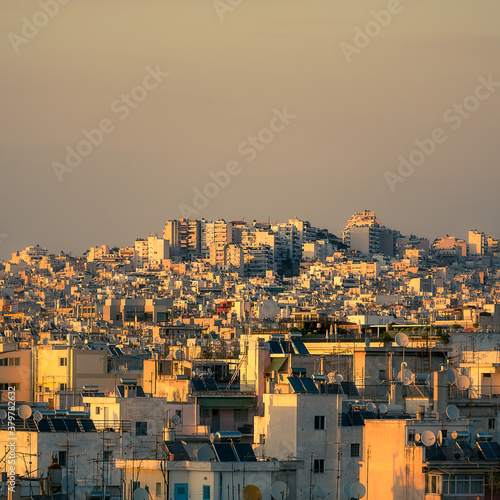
x,y
440,394
396,396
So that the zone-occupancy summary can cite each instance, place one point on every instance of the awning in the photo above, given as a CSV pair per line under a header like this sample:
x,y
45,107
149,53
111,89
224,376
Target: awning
x,y
275,365
227,402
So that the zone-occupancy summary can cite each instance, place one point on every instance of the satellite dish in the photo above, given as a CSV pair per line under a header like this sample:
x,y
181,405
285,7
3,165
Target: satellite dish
x,y
45,342
141,494
428,438
347,490
212,437
68,484
3,414
251,492
440,438
339,378
451,376
331,377
176,420
463,382
24,412
157,339
383,409
37,416
358,490
319,491
371,407
205,454
279,490
367,343
402,339
452,412
418,438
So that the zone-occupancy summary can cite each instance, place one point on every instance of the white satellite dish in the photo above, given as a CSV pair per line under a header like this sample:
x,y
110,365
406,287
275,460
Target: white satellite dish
x,y
3,414
428,438
383,409
339,378
371,407
176,420
451,376
68,484
331,377
212,437
24,412
205,454
141,494
37,416
358,490
463,382
440,438
452,412
279,490
367,342
402,339
418,438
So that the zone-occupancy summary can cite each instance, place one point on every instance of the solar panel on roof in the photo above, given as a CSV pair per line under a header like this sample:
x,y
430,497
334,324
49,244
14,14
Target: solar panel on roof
x,y
349,388
140,392
88,425
466,448
211,385
309,385
296,384
345,421
489,449
72,425
299,347
198,384
356,418
434,452
245,452
225,452
287,347
58,424
275,347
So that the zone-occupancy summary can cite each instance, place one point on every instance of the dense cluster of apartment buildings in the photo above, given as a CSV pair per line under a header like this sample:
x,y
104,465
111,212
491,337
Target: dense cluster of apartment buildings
x,y
254,360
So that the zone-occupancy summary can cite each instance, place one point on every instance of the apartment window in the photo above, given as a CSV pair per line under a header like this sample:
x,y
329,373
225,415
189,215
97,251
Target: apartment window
x,y
97,410
433,484
319,466
206,492
63,386
14,361
158,490
463,484
319,422
108,455
411,436
63,361
381,375
141,428
205,414
491,423
63,459
355,450
241,415
4,361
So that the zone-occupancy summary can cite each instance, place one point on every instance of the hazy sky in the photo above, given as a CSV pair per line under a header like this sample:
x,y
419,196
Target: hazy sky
x,y
227,79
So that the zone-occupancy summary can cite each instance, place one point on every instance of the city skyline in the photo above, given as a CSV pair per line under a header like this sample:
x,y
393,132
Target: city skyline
x,y
167,94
